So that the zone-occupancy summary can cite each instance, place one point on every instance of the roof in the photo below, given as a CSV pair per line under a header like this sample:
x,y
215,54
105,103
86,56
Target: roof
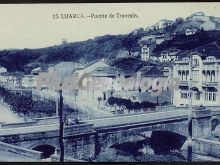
x,y
38,69
67,64
198,13
108,71
129,64
146,96
151,71
93,62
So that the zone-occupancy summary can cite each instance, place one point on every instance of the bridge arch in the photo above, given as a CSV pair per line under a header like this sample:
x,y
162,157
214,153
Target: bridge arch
x,y
47,150
123,136
215,123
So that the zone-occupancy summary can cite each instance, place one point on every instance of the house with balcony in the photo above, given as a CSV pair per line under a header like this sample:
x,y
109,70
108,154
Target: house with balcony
x,y
169,55
163,24
205,80
198,16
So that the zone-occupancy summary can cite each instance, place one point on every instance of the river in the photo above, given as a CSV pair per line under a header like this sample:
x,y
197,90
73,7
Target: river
x,y
144,151
7,116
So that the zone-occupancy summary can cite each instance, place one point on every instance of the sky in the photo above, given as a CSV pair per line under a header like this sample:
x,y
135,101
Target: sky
x,y
33,26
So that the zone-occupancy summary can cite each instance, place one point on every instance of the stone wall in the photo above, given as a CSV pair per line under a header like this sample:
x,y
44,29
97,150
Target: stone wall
x,y
56,158
20,151
35,122
206,147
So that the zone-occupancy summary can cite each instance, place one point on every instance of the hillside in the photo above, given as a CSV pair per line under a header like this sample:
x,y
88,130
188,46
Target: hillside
x,y
108,46
101,47
183,42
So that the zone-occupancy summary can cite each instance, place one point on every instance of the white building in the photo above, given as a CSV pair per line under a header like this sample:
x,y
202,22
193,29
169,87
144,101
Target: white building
x,y
191,31
3,70
29,81
208,26
163,24
90,67
199,16
146,51
64,68
205,82
169,55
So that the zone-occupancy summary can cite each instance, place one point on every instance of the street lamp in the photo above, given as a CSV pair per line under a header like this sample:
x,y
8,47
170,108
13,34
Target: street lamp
x,y
189,144
60,113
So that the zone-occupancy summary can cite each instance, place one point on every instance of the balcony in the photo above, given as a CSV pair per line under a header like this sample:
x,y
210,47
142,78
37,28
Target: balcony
x,y
207,83
183,82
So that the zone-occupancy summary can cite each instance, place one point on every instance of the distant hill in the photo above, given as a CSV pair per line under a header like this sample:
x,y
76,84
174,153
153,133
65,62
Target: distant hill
x,y
108,46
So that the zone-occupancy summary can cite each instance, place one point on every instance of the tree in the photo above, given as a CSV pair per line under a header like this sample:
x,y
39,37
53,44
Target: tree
x,y
128,104
136,106
111,101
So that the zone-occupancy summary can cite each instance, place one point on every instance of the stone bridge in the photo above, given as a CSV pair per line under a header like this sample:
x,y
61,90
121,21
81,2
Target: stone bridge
x,y
87,139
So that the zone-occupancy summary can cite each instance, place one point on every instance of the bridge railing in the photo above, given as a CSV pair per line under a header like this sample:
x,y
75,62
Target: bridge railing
x,y
135,119
35,122
78,129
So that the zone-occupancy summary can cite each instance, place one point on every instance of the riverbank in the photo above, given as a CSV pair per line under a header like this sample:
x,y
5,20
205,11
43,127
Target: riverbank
x,y
143,151
8,116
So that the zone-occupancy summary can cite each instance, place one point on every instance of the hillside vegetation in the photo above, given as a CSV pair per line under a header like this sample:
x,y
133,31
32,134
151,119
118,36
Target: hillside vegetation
x,y
107,46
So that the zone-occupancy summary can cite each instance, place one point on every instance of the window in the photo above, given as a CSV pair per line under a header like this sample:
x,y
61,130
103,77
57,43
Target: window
x,y
206,96
195,62
210,96
197,96
211,58
183,95
214,97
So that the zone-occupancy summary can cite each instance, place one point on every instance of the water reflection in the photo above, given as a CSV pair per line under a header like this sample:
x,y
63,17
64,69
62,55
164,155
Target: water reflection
x,y
160,147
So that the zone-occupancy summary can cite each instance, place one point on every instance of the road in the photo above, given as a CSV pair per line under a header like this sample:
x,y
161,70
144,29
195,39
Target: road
x,y
85,105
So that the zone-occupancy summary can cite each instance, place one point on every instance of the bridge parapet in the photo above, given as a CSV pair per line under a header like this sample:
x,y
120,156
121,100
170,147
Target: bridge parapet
x,y
20,151
78,129
35,122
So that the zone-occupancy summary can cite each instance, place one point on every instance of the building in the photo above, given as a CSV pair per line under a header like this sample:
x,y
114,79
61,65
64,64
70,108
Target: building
x,y
215,19
87,68
163,24
14,79
29,81
205,80
161,36
169,55
151,28
3,70
3,78
146,51
150,71
208,26
36,71
198,16
107,74
64,68
191,31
